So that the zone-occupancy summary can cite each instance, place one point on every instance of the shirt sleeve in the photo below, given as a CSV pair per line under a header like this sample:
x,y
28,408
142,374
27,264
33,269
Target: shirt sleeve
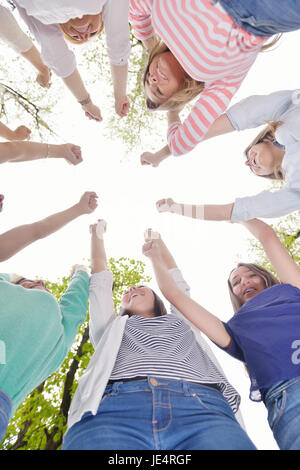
x,y
101,304
54,50
213,101
11,33
257,109
140,20
233,349
266,204
4,277
115,18
73,305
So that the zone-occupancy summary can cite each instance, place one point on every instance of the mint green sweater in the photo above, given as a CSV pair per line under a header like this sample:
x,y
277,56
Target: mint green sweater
x,y
37,332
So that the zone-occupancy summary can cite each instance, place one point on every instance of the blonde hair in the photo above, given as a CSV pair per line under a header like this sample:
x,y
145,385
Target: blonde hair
x,y
268,135
264,274
79,41
188,91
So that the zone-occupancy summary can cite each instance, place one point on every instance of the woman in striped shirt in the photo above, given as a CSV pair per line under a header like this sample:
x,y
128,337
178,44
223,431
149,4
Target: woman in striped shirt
x,y
208,48
153,382
264,331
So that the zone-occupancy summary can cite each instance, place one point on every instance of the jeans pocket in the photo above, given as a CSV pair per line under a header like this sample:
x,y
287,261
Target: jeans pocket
x,y
213,404
276,409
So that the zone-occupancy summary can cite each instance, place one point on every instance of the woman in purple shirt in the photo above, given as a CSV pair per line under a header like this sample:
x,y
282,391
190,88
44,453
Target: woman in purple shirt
x,y
264,333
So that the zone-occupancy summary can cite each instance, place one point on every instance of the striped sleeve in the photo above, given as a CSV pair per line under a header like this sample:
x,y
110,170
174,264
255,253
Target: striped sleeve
x,y
140,19
213,101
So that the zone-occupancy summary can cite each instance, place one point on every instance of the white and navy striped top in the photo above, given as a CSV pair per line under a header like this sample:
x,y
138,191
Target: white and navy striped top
x,y
166,347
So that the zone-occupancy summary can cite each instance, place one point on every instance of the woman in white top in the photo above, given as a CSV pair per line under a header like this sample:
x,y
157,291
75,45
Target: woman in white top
x,y
11,34
51,22
274,154
152,382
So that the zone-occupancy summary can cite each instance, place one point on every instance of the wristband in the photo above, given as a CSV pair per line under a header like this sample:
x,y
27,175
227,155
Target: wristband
x,y
85,101
101,229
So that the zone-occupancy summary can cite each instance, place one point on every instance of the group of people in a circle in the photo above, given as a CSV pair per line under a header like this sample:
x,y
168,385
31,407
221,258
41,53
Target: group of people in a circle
x,y
153,381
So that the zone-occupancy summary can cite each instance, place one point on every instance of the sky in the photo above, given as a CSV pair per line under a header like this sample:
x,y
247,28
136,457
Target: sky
x,y
212,173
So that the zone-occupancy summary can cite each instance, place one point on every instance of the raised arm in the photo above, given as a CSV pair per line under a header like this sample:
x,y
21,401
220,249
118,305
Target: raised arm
x,y
101,302
201,212
26,151
208,323
19,237
286,268
221,125
20,133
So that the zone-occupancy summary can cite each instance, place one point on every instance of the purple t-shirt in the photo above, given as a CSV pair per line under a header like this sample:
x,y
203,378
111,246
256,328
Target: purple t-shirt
x,y
265,334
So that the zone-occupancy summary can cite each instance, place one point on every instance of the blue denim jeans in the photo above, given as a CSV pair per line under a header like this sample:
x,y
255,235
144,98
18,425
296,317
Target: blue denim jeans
x,y
264,17
156,414
5,409
283,404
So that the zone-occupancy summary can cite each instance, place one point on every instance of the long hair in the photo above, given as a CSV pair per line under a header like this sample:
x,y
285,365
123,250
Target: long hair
x,y
264,274
190,88
268,135
159,309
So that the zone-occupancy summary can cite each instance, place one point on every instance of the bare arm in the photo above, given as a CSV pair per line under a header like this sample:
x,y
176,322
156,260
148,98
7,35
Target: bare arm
x,y
201,212
286,268
208,323
119,75
21,133
26,151
77,88
221,125
98,254
19,237
44,75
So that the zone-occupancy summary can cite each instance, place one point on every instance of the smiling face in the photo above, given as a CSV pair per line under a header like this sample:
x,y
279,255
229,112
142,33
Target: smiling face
x,y
83,29
165,77
261,158
139,300
245,283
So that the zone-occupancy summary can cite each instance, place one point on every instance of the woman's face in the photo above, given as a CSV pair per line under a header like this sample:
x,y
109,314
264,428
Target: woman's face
x,y
29,284
245,283
261,158
164,77
83,28
139,300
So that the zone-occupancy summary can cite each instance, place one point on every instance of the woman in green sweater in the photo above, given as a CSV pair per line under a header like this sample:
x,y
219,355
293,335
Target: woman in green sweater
x,y
36,331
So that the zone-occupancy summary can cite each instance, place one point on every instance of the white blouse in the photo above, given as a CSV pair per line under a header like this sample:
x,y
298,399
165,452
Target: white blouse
x,y
43,19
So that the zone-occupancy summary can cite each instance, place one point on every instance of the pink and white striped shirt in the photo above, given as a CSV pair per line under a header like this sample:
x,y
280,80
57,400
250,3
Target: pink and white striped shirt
x,y
209,46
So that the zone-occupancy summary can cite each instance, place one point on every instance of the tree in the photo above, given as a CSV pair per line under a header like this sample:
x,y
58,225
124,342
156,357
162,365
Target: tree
x,y
40,421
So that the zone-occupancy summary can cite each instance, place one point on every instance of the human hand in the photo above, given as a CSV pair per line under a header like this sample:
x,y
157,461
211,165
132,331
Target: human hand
x,y
70,152
122,105
21,133
153,246
98,229
92,111
43,78
88,202
78,267
165,205
148,158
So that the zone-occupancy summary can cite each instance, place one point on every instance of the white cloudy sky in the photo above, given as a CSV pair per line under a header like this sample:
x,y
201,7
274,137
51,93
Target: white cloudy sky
x,y
213,173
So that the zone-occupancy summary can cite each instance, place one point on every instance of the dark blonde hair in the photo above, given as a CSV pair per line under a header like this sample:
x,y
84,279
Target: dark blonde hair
x,y
79,41
268,135
264,274
159,308
188,91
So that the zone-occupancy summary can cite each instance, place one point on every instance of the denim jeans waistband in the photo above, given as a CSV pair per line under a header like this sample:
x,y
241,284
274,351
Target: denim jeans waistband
x,y
139,383
278,388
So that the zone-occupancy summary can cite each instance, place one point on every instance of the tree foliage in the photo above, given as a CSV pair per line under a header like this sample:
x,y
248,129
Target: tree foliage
x,y
40,421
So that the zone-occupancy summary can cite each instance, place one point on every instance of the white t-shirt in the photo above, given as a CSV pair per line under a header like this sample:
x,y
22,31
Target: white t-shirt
x,y
43,18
